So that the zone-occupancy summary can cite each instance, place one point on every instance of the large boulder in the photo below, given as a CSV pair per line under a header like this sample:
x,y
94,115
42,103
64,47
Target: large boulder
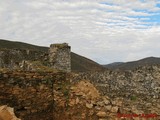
x,y
7,113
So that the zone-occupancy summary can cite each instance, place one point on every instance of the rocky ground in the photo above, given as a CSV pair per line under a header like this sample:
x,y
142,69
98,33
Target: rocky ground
x,y
109,95
82,101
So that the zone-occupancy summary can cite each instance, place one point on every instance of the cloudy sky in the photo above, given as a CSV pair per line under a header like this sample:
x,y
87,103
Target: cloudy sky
x,y
103,30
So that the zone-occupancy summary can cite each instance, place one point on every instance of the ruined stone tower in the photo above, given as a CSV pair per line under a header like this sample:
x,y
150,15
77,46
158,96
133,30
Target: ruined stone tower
x,y
59,57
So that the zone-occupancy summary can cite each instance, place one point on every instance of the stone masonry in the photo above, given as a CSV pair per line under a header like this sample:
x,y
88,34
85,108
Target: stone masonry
x,y
29,93
12,58
59,57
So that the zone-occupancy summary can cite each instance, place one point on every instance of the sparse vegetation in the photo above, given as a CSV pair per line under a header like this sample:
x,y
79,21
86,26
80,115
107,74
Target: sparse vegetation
x,y
133,98
38,66
60,45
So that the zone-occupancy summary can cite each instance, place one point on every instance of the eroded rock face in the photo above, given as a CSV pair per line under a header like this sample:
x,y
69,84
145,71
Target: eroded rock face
x,y
7,113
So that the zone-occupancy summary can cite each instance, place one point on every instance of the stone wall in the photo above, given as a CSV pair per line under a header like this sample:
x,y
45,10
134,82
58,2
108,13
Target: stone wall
x,y
14,58
59,57
29,93
143,82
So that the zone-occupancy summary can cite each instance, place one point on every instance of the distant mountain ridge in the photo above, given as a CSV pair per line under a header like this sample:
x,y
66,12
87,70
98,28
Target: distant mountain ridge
x,y
78,63
133,64
113,64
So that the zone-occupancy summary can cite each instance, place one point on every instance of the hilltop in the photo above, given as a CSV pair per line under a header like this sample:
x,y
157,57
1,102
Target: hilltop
x,y
20,45
133,64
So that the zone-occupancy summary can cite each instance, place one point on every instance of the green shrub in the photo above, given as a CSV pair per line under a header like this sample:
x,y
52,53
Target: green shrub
x,y
133,98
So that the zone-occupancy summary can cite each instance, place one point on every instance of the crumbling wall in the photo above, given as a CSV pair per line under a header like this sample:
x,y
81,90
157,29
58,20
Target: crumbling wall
x,y
29,93
59,57
143,82
10,58
15,58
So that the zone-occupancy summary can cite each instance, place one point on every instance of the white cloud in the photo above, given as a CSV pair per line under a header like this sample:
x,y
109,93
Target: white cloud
x,y
106,32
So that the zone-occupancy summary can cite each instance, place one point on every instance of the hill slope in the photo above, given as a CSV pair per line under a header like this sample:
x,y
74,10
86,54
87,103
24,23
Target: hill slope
x,y
133,64
78,63
20,45
112,65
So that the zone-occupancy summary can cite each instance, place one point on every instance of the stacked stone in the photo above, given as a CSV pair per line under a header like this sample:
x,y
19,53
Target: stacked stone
x,y
59,57
12,58
28,92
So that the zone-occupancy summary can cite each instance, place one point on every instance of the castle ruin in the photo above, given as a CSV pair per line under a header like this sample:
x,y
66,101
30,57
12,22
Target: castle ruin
x,y
59,57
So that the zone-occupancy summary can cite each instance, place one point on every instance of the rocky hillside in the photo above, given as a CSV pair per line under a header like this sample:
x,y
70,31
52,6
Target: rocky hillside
x,y
109,95
78,63
133,64
101,95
